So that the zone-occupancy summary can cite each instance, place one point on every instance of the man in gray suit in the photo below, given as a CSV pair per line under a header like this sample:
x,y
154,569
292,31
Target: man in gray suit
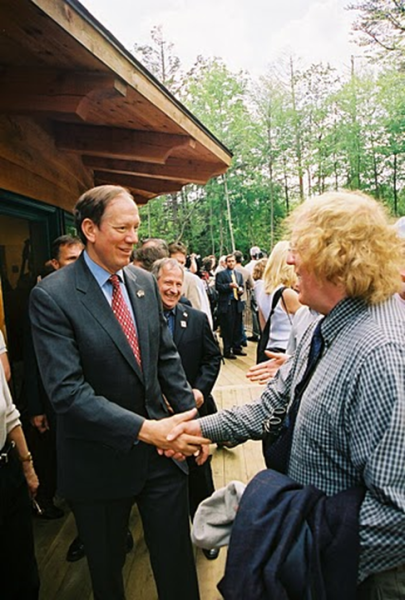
x,y
107,360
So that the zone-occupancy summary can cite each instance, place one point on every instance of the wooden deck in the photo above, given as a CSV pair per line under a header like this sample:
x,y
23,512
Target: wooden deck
x,y
61,580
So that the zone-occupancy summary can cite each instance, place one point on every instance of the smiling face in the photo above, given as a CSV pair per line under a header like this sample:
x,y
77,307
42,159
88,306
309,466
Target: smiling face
x,y
170,284
110,243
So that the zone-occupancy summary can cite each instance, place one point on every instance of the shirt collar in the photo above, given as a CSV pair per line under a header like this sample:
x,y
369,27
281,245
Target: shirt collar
x,y
100,274
337,319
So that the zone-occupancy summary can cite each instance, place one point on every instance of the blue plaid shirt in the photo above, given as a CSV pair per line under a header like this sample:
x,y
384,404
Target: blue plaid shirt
x,y
350,428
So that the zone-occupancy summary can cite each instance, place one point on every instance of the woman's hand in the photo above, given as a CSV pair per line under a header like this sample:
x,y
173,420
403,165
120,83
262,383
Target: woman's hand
x,y
31,478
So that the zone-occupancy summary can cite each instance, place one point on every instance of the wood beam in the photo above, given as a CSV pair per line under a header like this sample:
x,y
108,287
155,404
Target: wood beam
x,y
114,142
188,171
26,91
154,186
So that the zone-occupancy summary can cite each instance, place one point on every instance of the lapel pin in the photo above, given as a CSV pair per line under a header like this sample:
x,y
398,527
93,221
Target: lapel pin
x,y
140,293
183,323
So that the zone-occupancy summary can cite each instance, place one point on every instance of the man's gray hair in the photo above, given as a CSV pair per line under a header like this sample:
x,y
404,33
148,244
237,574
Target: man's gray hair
x,y
170,263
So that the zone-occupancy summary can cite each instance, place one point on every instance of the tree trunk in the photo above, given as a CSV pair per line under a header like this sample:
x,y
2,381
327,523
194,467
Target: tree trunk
x,y
228,212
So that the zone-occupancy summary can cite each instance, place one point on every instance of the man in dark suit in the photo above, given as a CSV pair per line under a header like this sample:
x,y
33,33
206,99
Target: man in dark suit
x,y
107,361
201,361
229,285
42,436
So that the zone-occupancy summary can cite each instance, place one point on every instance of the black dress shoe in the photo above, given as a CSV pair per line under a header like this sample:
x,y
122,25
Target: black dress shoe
x,y
229,355
129,542
253,338
239,352
211,554
76,550
244,344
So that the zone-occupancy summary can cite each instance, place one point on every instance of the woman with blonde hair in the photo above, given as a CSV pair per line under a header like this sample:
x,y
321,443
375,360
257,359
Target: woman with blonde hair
x,y
277,302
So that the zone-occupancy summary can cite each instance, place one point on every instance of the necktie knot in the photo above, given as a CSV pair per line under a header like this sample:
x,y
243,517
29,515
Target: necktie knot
x,y
115,280
169,316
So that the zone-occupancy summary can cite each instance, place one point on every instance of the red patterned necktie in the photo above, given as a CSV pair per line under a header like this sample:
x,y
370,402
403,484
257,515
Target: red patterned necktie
x,y
123,315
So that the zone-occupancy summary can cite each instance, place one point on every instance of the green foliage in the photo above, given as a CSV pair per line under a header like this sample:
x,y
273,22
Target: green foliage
x,y
381,27
293,133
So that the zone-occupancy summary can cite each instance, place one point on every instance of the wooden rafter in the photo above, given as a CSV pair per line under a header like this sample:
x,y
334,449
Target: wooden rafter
x,y
176,169
142,184
149,146
49,91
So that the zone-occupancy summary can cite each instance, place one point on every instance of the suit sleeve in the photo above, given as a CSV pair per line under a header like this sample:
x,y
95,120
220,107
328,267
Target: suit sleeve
x,y
210,362
222,285
90,416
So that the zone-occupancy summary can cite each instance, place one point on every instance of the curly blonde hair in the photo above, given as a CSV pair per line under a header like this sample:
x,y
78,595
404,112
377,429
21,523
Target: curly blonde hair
x,y
258,269
277,271
346,238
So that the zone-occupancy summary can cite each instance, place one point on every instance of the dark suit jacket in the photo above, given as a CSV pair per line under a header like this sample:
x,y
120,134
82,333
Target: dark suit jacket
x,y
95,385
225,293
199,352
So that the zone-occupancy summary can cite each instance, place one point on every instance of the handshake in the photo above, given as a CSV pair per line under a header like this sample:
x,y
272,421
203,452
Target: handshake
x,y
177,437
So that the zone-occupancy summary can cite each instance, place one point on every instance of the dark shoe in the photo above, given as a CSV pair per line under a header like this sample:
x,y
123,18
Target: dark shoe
x,y
253,338
76,550
48,511
244,344
211,554
129,542
229,355
238,352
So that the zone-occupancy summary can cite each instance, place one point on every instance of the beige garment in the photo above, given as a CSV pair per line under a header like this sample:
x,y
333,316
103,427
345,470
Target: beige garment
x,y
235,291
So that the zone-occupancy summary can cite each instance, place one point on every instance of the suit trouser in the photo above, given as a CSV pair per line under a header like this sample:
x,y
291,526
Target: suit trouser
x,y
18,568
163,506
230,327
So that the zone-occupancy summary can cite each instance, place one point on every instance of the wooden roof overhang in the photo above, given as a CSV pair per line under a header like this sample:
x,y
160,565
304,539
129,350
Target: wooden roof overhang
x,y
62,68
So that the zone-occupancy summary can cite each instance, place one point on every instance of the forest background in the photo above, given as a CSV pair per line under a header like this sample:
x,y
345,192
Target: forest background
x,y
295,132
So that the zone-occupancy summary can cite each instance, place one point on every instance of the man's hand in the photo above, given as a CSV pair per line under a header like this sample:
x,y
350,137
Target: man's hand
x,y
203,455
157,433
40,422
265,371
198,397
187,428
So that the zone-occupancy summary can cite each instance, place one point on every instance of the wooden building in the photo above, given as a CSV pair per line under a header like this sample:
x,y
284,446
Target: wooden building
x,y
78,110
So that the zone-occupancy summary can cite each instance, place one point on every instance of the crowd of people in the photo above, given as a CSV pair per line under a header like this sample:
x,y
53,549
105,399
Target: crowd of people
x,y
122,353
